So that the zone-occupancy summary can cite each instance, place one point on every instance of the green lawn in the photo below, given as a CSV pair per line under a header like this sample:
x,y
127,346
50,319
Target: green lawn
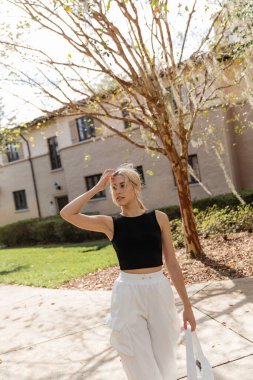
x,y
52,265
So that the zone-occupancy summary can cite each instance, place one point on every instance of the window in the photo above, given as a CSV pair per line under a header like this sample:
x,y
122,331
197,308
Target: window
x,y
54,153
223,57
140,171
125,113
12,152
171,98
20,200
91,181
193,162
86,128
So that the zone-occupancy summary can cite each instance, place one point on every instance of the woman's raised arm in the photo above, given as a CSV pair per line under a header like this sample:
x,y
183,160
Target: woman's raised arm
x,y
71,212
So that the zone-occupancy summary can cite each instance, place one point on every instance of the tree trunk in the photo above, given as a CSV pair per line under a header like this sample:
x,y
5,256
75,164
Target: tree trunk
x,y
192,243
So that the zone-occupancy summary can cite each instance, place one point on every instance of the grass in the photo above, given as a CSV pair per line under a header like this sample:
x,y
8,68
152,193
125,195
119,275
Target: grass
x,y
51,265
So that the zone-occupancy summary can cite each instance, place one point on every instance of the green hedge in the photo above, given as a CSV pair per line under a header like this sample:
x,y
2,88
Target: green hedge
x,y
216,221
214,215
220,201
220,221
48,230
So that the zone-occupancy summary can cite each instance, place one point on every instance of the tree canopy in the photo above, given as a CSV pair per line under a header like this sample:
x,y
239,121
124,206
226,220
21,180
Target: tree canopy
x,y
153,64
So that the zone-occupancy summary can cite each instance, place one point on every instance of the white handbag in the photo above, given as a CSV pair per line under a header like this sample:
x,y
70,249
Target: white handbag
x,y
198,367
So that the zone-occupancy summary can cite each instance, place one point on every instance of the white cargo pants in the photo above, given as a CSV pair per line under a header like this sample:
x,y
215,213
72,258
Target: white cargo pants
x,y
145,325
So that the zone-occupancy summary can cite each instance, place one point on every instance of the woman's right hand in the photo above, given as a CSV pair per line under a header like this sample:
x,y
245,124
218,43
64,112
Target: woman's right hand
x,y
103,182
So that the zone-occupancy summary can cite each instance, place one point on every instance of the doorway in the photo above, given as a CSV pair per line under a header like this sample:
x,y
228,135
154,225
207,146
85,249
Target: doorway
x,y
61,202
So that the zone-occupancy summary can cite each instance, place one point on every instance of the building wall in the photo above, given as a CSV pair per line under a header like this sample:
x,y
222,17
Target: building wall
x,y
213,129
45,179
16,176
244,152
241,141
90,157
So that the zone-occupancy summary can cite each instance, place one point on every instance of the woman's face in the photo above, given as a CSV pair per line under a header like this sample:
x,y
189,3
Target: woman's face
x,y
122,189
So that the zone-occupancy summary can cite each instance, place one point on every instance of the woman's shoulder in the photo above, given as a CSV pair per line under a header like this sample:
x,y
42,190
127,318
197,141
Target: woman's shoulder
x,y
160,214
161,217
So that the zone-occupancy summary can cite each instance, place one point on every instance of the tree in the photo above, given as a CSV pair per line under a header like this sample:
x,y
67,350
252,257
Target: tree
x,y
140,67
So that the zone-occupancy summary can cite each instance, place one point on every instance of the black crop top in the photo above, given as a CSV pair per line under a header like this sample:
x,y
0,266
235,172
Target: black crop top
x,y
137,241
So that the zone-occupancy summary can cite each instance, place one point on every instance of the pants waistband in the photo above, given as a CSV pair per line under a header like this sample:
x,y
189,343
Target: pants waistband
x,y
128,277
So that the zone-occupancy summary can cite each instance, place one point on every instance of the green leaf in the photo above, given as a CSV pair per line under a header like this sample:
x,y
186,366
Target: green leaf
x,y
108,6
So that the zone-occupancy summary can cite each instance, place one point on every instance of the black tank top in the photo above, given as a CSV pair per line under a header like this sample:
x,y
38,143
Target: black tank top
x,y
137,241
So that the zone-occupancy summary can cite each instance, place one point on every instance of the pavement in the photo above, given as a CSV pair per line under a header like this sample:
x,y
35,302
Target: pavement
x,y
60,334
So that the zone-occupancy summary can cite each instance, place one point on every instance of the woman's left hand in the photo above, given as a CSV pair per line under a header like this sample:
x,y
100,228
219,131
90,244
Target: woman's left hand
x,y
188,316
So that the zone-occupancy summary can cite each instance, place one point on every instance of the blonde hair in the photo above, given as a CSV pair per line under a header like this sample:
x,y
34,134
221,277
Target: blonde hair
x,y
128,171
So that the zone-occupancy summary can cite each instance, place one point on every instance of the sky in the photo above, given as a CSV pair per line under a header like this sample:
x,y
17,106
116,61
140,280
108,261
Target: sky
x,y
14,106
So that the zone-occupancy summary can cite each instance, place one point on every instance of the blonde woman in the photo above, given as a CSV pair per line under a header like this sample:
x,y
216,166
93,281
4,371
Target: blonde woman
x,y
144,322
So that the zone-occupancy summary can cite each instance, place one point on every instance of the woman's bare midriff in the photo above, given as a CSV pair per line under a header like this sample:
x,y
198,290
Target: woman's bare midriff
x,y
143,270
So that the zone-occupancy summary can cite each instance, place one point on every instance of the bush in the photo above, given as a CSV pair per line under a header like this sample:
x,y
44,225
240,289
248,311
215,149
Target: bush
x,y
17,233
217,215
52,229
220,201
216,221
245,218
177,233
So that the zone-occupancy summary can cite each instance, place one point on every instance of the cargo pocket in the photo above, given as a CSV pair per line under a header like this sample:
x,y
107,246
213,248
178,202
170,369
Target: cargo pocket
x,y
121,340
119,319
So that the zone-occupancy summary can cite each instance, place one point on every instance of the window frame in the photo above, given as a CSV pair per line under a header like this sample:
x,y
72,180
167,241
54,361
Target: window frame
x,y
54,153
125,113
12,152
87,131
139,168
19,197
172,98
90,182
191,179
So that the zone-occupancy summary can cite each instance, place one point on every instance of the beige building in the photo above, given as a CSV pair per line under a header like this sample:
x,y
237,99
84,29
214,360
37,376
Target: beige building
x,y
55,164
